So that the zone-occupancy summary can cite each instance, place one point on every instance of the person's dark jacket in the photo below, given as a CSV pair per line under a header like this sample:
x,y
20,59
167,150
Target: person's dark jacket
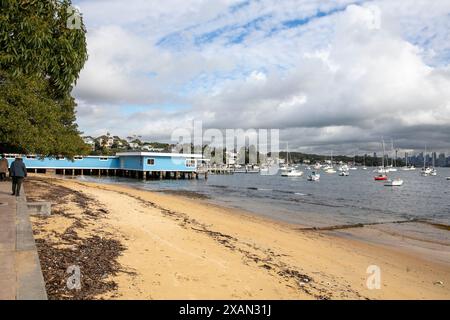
x,y
18,169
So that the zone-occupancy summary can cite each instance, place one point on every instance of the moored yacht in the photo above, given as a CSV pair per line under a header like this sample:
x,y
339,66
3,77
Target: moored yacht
x,y
330,170
382,170
391,169
408,167
426,171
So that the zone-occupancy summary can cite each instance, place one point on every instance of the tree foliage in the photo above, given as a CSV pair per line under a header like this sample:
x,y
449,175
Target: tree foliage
x,y
40,60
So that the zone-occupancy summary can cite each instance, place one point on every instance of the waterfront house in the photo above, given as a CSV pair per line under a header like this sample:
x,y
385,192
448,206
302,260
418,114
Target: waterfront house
x,y
131,164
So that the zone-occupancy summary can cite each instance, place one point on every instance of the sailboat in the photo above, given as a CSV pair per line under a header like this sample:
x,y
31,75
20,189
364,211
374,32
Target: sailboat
x,y
391,167
330,168
406,167
289,171
426,171
364,167
433,170
285,167
353,167
382,171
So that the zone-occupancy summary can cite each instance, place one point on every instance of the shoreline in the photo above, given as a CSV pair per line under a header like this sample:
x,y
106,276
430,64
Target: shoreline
x,y
385,233
207,251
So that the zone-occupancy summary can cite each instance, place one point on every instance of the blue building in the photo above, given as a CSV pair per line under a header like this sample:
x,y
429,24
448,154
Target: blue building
x,y
129,164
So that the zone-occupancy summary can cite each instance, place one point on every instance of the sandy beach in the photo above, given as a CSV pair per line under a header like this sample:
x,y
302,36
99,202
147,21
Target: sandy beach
x,y
136,244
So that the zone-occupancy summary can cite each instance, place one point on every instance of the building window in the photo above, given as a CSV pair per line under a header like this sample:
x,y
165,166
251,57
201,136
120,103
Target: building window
x,y
31,157
60,158
151,162
78,158
190,163
103,159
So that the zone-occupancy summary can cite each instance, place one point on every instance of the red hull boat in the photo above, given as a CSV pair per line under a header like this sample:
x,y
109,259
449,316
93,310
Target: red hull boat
x,y
381,177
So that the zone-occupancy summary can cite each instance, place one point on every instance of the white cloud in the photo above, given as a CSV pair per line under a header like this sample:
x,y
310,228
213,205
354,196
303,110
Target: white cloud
x,y
337,80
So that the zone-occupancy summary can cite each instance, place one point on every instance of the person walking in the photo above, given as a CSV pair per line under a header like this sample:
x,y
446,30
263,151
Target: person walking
x,y
3,167
18,172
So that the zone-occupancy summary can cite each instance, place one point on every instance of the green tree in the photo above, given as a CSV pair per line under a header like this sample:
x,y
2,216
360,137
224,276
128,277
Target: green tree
x,y
40,61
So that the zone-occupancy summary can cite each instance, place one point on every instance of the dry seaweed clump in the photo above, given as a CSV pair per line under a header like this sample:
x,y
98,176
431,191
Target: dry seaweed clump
x,y
96,259
74,267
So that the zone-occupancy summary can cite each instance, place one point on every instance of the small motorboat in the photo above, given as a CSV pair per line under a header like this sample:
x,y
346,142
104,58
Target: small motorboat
x,y
314,177
344,174
394,183
292,173
381,177
448,178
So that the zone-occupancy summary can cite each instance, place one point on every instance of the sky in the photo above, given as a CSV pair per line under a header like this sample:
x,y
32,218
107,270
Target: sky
x,y
331,75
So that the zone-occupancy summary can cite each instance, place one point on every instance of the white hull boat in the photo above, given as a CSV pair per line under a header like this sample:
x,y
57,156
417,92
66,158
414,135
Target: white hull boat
x,y
344,174
292,173
314,177
381,171
394,183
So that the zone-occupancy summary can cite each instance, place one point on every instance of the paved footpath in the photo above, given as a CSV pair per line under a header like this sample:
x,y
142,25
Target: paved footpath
x,y
20,270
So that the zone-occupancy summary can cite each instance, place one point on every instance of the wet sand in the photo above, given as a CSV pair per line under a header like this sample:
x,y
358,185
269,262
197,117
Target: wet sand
x,y
149,245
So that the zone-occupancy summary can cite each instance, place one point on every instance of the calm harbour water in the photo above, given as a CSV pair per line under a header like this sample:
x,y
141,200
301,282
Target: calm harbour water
x,y
332,201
